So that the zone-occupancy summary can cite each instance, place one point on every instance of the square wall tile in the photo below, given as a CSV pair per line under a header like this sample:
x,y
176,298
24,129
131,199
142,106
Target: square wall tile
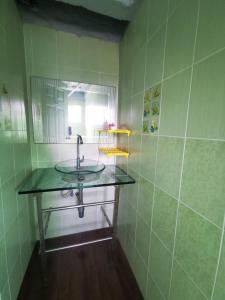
x,y
154,58
15,280
148,157
44,45
219,292
207,105
211,28
174,105
157,14
68,50
197,248
203,178
139,70
12,246
173,4
160,265
142,239
164,217
145,200
9,203
141,20
89,54
153,291
168,169
137,103
140,271
135,151
132,189
182,286
181,37
108,57
3,265
131,222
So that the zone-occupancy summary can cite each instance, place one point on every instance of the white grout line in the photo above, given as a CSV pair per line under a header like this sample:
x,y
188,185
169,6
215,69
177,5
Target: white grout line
x,y
219,258
182,164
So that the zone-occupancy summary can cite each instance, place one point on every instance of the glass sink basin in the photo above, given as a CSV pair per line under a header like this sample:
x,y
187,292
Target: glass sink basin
x,y
88,166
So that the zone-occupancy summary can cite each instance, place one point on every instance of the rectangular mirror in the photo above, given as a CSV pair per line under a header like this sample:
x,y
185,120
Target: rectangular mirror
x,y
62,109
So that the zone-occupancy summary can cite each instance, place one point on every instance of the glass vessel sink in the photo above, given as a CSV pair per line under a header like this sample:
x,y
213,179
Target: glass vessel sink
x,y
88,166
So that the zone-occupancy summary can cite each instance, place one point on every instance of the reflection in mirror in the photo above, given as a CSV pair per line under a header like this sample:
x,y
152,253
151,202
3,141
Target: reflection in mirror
x,y
62,109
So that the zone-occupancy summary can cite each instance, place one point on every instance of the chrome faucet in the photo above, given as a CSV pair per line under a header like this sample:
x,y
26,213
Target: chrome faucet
x,y
79,142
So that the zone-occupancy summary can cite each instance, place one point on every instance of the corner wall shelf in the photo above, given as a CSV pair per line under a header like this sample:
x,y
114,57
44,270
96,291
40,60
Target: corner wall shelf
x,y
113,151
121,131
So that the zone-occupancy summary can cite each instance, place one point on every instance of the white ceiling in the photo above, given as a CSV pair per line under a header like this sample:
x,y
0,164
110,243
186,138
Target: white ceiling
x,y
119,9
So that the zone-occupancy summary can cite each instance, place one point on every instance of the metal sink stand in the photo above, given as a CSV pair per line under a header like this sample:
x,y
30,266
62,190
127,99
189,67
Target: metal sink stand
x,y
43,228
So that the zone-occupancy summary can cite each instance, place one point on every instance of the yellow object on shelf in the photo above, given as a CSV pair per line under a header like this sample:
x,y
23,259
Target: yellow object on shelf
x,y
113,151
126,131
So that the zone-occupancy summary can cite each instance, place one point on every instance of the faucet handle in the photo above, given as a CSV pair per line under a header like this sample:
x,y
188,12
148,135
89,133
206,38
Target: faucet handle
x,y
81,160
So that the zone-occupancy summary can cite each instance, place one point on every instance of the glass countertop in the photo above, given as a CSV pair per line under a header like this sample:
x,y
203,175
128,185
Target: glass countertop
x,y
49,180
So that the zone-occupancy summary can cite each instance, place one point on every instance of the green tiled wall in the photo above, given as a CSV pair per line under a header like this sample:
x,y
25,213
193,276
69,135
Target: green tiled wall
x,y
172,222
16,212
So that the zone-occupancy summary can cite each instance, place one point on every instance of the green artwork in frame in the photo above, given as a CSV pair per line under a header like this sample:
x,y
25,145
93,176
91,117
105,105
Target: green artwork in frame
x,y
152,100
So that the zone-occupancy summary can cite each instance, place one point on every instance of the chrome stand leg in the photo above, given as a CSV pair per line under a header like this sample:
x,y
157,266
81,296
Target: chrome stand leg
x,y
42,238
115,210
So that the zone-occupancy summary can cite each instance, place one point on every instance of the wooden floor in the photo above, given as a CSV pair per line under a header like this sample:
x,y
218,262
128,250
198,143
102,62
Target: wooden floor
x,y
91,272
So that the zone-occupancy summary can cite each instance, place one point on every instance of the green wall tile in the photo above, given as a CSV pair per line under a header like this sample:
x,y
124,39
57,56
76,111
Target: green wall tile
x,y
164,217
9,203
182,286
89,54
12,246
1,216
203,178
153,292
6,292
142,239
3,267
141,20
7,164
197,248
136,113
173,4
44,43
160,265
145,200
154,58
211,28
139,69
131,222
207,105
148,157
68,50
168,170
134,150
174,104
180,37
219,292
157,14
15,280
140,271
108,61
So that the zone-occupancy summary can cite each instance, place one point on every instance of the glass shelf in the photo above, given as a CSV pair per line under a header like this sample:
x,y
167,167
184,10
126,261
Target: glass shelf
x,y
48,180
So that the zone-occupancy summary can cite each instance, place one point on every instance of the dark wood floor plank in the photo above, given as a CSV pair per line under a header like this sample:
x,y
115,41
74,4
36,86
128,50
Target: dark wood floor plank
x,y
91,272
